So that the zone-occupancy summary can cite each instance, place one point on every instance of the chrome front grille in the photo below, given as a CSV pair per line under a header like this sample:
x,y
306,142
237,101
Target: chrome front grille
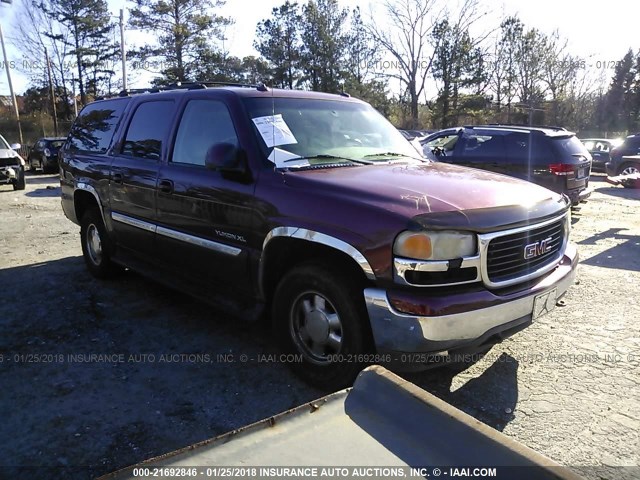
x,y
524,253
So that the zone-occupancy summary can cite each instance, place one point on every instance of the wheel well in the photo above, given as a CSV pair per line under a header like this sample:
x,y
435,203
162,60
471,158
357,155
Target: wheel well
x,y
628,163
83,200
284,253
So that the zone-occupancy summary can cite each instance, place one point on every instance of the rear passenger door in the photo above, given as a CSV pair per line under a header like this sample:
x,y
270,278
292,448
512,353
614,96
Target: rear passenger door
x,y
134,174
203,217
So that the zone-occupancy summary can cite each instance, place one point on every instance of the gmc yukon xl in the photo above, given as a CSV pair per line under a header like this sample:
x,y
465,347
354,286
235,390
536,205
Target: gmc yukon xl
x,y
312,211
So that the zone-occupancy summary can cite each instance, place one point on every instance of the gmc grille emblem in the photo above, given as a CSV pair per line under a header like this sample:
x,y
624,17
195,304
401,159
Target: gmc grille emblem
x,y
537,248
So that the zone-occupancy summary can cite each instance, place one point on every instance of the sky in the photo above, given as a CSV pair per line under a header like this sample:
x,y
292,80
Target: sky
x,y
602,34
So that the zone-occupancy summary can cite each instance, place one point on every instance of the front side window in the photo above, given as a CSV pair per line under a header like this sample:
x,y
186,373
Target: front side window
x,y
443,145
325,131
148,129
94,128
204,123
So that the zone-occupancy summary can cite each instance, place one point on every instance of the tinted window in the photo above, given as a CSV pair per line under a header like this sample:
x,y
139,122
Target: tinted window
x,y
632,142
147,130
56,144
518,147
3,144
204,123
446,143
486,145
568,146
93,129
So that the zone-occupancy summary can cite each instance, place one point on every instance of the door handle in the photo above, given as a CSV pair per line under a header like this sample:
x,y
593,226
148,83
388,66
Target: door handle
x,y
166,186
117,178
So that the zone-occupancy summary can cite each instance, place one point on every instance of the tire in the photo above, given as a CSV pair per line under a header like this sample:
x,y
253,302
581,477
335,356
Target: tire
x,y
313,304
629,168
20,183
96,245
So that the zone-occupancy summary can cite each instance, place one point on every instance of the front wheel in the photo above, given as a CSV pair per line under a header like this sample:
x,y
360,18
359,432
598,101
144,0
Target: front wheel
x,y
20,182
318,314
96,247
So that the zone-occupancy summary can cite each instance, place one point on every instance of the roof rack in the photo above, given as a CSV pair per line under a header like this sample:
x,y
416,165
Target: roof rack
x,y
190,86
521,125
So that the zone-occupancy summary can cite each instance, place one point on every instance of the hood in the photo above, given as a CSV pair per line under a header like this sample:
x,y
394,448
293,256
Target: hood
x,y
440,195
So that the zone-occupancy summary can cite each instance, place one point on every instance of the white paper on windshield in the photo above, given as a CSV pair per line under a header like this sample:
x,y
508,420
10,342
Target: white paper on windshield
x,y
284,159
274,130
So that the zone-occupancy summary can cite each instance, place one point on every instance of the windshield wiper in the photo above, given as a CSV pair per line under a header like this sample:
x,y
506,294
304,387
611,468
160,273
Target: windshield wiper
x,y
329,157
394,154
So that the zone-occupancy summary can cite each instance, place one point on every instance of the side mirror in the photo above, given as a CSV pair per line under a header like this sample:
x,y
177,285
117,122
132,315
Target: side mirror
x,y
225,157
15,146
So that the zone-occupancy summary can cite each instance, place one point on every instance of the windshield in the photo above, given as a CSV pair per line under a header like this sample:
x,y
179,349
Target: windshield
x,y
325,132
3,144
56,144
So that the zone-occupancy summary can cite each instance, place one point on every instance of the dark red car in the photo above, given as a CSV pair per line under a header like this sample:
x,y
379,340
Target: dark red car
x,y
311,211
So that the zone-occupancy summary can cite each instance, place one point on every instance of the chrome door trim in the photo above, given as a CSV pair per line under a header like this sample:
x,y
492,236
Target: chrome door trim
x,y
199,241
134,222
176,235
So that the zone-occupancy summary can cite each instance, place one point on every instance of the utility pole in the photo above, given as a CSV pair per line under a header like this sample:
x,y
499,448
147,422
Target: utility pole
x,y
123,51
52,93
13,95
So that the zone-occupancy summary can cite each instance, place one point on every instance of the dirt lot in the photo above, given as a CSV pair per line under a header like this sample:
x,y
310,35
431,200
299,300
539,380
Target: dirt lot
x,y
568,386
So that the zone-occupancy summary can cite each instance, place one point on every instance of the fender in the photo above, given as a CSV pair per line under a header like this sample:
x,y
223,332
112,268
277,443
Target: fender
x,y
316,237
88,188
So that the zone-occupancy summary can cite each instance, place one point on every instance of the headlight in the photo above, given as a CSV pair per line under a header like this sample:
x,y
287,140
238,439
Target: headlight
x,y
445,245
47,152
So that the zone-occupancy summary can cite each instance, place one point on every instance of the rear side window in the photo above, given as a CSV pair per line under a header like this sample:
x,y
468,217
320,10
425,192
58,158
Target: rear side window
x,y
568,146
203,124
93,129
148,129
632,142
484,145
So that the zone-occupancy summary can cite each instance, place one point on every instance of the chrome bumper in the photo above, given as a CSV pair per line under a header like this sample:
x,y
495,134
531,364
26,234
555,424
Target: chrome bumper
x,y
394,331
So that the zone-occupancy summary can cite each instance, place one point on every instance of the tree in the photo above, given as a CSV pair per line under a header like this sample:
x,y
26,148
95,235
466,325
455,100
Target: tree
x,y
504,71
323,44
278,41
619,94
88,37
35,33
407,41
184,30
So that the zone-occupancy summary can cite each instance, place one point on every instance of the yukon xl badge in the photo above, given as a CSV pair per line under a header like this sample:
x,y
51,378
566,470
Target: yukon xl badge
x,y
537,248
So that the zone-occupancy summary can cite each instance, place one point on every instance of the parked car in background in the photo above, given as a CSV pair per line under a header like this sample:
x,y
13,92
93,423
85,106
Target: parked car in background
x,y
619,163
11,165
549,156
600,149
44,154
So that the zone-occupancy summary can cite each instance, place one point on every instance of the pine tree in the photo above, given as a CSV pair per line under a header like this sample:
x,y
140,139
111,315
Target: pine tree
x,y
184,30
278,41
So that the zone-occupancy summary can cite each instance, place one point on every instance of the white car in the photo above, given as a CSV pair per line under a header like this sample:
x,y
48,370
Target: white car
x,y
11,165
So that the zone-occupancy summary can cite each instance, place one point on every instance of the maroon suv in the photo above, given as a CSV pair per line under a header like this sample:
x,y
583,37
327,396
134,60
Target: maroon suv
x,y
313,212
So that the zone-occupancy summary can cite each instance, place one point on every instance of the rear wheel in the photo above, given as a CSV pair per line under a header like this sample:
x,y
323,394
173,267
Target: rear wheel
x,y
96,246
629,169
318,315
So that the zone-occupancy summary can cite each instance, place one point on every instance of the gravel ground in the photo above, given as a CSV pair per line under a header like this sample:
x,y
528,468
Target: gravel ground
x,y
168,371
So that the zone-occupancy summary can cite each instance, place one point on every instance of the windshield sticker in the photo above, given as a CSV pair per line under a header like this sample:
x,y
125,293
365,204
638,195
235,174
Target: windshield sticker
x,y
284,159
274,130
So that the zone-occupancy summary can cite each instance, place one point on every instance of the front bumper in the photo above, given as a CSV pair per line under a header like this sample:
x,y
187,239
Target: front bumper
x,y
9,174
469,319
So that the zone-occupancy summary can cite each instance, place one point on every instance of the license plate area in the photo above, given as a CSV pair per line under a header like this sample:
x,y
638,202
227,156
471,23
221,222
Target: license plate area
x,y
544,303
582,172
